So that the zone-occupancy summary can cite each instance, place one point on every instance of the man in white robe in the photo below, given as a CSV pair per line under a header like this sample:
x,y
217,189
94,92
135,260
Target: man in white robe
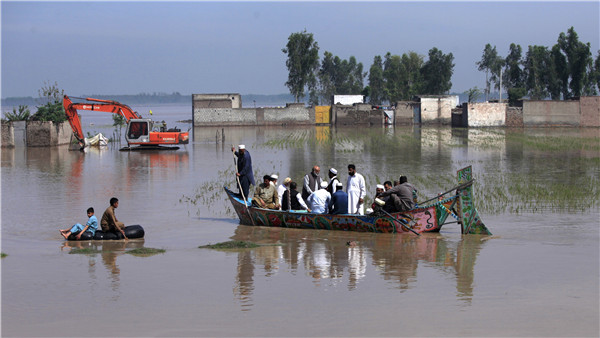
x,y
319,200
355,187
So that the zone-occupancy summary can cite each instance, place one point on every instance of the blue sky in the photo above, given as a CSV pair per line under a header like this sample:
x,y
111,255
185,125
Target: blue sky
x,y
235,47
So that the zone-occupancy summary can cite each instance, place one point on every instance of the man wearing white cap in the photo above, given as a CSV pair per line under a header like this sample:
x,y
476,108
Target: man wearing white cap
x,y
319,200
244,169
283,187
333,181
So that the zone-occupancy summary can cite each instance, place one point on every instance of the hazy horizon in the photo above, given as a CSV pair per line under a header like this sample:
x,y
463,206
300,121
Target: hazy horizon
x,y
104,48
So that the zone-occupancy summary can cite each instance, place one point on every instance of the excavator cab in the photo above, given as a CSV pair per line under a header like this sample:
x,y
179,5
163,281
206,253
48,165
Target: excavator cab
x,y
138,131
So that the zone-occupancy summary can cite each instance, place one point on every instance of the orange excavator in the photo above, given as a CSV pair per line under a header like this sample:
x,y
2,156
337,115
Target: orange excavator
x,y
142,133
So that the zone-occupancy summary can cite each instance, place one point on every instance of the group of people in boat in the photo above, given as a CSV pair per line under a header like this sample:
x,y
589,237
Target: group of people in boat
x,y
108,223
318,195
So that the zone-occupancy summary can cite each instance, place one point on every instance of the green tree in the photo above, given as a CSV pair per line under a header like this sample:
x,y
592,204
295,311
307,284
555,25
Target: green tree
x,y
513,76
597,70
376,81
326,75
22,115
402,76
52,108
579,62
473,94
392,70
437,72
492,64
411,77
338,76
558,76
537,62
516,94
302,64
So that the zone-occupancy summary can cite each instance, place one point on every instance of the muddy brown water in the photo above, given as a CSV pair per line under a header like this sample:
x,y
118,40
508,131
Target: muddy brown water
x,y
538,275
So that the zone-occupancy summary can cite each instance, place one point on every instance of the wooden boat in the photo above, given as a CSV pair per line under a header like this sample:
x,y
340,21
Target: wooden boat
x,y
428,216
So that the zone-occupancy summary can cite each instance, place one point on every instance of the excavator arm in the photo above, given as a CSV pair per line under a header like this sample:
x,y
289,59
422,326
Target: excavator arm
x,y
97,104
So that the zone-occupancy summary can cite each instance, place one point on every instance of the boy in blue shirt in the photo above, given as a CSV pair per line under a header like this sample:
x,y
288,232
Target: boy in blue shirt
x,y
90,226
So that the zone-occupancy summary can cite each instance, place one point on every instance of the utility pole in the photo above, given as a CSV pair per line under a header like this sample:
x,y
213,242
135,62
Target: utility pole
x,y
500,85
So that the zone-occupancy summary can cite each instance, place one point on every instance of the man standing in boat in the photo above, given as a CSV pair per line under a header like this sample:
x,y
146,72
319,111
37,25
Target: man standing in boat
x,y
244,169
312,182
355,187
333,181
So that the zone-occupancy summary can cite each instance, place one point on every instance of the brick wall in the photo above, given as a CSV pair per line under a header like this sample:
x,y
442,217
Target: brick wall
x,y
590,111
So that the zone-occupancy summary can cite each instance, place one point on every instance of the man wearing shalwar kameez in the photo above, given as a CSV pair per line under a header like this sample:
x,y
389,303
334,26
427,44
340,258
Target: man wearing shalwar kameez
x,y
244,170
355,187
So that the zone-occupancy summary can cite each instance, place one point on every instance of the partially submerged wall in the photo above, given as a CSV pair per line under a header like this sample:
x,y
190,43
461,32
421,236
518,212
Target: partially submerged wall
x,y
551,113
8,136
405,112
357,114
486,114
590,111
291,114
216,100
47,134
437,110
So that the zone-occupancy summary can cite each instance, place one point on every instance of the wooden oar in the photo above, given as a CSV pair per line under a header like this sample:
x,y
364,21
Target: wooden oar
x,y
240,187
402,225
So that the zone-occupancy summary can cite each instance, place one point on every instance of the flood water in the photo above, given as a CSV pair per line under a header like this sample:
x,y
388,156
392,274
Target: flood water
x,y
538,275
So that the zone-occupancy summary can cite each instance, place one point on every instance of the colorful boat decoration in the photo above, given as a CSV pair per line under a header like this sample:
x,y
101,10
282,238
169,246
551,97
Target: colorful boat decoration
x,y
429,216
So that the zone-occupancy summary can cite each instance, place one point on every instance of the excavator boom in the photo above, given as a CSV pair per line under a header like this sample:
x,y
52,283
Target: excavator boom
x,y
139,130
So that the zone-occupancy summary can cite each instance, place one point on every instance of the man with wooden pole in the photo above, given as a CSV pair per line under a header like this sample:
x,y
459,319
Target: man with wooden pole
x,y
244,170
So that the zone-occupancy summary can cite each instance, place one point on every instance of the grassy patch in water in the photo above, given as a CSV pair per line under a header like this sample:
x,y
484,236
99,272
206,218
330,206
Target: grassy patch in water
x,y
84,251
2,254
145,252
230,245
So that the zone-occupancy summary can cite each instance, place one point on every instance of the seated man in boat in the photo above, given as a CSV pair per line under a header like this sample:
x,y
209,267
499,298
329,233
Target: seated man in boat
x,y
380,188
400,198
292,199
109,221
339,201
319,200
265,195
404,180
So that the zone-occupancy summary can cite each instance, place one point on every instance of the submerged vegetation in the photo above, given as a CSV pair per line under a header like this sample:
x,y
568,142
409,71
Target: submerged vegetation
x,y
84,251
516,171
145,252
230,245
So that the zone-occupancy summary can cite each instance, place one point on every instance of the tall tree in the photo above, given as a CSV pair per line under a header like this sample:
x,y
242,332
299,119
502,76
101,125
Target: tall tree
x,y
558,75
597,70
411,78
579,61
302,64
437,73
392,70
376,81
492,64
338,76
326,76
537,62
513,76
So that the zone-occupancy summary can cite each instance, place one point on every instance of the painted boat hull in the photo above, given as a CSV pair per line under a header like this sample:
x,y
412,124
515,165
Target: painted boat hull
x,y
428,218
